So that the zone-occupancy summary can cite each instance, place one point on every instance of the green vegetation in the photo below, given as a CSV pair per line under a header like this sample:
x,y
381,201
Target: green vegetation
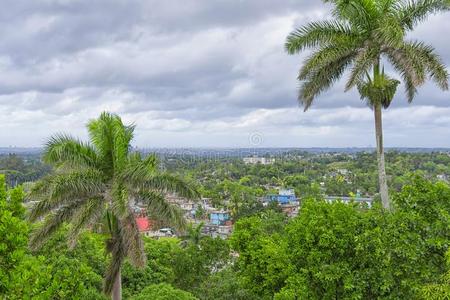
x,y
330,251
362,35
163,292
336,251
20,169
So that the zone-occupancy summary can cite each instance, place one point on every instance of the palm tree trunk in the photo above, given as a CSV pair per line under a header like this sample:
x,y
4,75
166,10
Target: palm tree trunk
x,y
380,157
117,288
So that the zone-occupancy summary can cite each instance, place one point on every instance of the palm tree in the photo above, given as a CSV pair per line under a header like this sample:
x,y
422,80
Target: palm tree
x,y
362,36
96,184
193,235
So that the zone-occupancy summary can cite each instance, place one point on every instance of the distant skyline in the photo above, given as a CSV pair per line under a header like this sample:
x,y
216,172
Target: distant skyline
x,y
200,73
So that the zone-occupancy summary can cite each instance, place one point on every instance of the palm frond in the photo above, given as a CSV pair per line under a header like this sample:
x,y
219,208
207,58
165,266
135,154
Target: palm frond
x,y
52,223
389,32
359,13
59,189
410,88
158,206
325,56
321,79
119,200
364,61
64,149
137,167
133,241
410,13
414,60
407,60
432,63
317,34
86,216
162,182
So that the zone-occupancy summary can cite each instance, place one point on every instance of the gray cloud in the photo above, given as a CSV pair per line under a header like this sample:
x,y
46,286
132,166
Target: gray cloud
x,y
195,73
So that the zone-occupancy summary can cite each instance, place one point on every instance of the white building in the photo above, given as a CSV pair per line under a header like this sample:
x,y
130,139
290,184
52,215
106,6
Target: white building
x,y
365,201
258,160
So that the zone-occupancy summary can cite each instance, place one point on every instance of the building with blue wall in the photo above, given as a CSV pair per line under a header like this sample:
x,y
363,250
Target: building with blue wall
x,y
284,196
219,217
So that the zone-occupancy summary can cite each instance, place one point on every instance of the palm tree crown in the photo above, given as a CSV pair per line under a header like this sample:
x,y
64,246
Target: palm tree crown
x,y
362,33
97,183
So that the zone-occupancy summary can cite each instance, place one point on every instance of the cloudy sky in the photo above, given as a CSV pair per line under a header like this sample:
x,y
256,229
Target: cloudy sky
x,y
190,73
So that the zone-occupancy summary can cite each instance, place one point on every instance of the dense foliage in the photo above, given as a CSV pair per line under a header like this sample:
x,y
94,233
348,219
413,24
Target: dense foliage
x,y
329,251
163,291
337,251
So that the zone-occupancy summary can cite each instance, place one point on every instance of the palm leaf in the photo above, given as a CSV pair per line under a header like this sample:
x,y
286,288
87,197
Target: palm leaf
x,y
64,149
410,13
133,241
158,206
85,217
317,34
52,223
321,79
59,189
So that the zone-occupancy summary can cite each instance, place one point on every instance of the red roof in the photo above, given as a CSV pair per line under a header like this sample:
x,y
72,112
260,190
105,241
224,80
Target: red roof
x,y
143,224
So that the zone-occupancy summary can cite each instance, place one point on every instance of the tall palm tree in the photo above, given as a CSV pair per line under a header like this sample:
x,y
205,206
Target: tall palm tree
x,y
362,36
96,184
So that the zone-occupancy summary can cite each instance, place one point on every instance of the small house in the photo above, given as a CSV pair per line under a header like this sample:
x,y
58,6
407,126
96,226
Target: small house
x,y
219,217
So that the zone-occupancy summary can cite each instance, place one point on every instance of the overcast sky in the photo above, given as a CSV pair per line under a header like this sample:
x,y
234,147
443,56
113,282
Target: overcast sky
x,y
190,73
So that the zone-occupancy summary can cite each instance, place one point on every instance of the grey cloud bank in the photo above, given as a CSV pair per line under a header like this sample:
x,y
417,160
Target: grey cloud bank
x,y
189,73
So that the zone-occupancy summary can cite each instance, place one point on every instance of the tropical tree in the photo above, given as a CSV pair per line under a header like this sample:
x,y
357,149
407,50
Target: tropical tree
x,y
193,234
363,36
95,185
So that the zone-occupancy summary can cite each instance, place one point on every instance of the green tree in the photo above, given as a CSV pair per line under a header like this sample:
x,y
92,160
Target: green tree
x,y
96,184
263,264
163,291
13,238
159,267
195,263
431,203
194,234
439,290
337,251
58,277
224,285
362,33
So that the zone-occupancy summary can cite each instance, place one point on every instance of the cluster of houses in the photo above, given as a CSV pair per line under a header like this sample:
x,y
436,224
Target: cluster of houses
x,y
218,223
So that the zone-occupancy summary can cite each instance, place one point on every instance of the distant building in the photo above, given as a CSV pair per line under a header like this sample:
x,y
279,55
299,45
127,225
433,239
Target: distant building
x,y
442,177
284,196
343,171
219,217
258,160
144,225
187,206
360,200
214,231
147,228
291,210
